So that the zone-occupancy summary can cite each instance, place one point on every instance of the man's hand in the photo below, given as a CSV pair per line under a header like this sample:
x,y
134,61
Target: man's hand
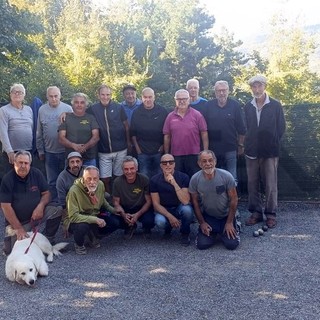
x,y
174,222
205,228
37,213
169,178
230,230
101,223
21,234
11,157
129,219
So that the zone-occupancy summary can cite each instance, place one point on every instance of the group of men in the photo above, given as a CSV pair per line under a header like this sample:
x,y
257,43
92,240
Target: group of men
x,y
168,181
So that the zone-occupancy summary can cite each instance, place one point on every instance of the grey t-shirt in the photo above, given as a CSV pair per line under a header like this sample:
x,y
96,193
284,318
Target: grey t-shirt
x,y
16,128
213,193
47,128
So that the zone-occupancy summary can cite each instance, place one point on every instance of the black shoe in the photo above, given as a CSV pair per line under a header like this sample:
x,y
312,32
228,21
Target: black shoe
x,y
147,234
185,239
167,234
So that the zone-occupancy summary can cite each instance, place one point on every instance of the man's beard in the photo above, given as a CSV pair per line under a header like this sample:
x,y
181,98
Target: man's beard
x,y
209,171
92,189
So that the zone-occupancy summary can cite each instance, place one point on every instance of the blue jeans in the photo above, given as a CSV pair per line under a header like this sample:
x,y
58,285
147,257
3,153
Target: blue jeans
x,y
228,161
149,164
204,242
182,212
90,162
54,164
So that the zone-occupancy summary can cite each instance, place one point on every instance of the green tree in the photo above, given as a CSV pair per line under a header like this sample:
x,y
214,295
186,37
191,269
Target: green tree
x,y
17,51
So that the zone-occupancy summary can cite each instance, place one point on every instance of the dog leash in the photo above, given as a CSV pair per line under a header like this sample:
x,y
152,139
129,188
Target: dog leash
x,y
35,231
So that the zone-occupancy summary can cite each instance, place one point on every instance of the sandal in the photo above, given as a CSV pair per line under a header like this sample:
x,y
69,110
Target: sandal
x,y
254,219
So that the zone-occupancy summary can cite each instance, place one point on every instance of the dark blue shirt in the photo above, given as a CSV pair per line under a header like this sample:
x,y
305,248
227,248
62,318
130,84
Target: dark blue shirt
x,y
166,191
224,125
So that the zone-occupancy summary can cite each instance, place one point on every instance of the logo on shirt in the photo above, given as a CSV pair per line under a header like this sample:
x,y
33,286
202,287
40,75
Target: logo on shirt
x,y
34,188
137,190
84,122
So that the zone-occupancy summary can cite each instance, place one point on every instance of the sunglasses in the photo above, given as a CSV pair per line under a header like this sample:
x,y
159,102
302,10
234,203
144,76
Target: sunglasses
x,y
167,162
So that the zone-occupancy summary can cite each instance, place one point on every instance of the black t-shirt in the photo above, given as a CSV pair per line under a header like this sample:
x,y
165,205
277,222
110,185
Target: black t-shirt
x,y
23,194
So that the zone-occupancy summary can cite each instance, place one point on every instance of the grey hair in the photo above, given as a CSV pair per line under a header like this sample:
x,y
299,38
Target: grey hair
x,y
89,168
130,159
221,82
147,89
18,85
181,91
53,87
22,153
193,80
207,152
82,95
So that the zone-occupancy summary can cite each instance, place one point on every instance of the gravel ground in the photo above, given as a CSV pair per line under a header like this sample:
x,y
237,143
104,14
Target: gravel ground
x,y
275,276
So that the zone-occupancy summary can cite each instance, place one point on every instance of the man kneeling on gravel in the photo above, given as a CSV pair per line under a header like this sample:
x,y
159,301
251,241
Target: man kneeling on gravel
x,y
215,200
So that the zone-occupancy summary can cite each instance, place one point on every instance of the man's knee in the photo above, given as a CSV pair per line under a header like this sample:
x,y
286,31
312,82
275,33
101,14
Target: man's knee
x,y
231,244
160,221
187,213
204,242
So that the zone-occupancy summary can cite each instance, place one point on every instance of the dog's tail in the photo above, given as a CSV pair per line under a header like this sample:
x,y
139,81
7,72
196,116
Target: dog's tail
x,y
58,247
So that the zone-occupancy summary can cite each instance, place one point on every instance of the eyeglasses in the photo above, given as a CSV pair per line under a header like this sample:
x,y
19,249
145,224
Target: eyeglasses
x,y
19,93
170,162
182,99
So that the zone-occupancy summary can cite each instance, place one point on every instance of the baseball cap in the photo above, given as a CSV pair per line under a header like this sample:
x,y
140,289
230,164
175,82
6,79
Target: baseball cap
x,y
74,154
129,87
258,78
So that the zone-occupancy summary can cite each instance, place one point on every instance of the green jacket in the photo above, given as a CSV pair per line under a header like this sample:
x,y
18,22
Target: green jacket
x,y
79,207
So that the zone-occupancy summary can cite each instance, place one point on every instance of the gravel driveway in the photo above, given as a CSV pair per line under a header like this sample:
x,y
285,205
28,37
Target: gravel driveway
x,y
274,276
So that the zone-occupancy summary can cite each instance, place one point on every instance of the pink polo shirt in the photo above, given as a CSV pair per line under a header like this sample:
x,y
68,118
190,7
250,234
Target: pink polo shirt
x,y
185,132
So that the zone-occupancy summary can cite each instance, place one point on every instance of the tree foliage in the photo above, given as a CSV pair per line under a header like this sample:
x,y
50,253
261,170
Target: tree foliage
x,y
78,45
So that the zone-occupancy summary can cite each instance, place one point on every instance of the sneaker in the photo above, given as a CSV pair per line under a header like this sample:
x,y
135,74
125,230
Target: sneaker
x,y
95,243
167,234
80,249
185,239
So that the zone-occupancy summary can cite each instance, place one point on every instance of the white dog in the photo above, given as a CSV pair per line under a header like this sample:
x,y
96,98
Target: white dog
x,y
24,267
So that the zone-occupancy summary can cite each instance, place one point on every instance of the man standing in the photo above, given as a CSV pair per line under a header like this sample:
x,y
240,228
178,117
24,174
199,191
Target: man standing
x,y
130,102
146,131
171,199
196,101
226,128
215,189
24,197
16,125
114,135
131,198
48,146
183,130
265,127
80,131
